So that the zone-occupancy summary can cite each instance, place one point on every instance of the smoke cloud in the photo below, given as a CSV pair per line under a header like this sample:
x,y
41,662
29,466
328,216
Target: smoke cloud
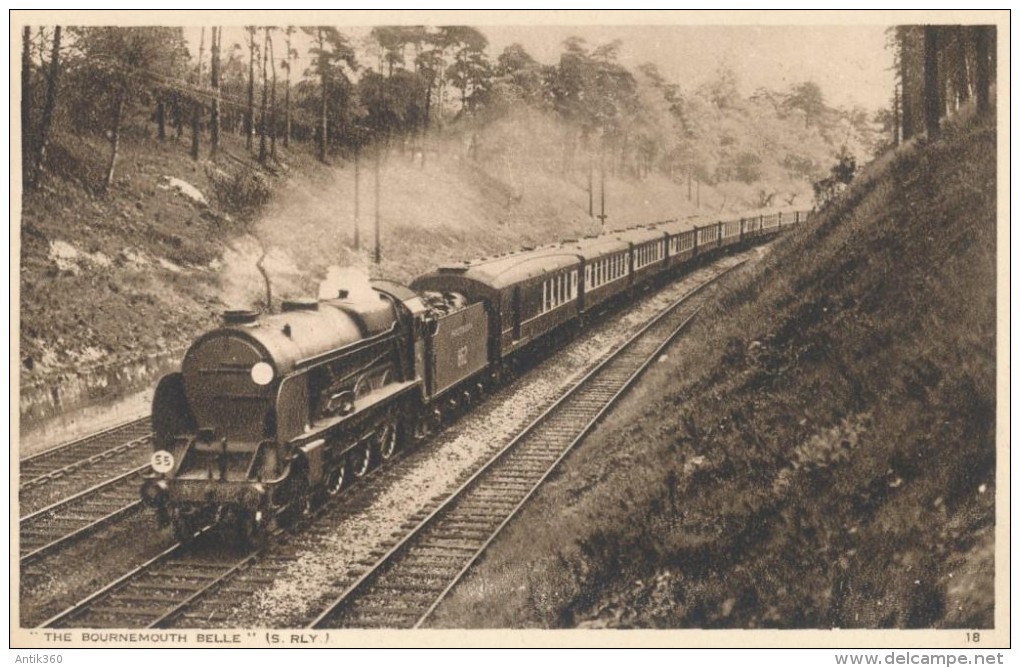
x,y
354,279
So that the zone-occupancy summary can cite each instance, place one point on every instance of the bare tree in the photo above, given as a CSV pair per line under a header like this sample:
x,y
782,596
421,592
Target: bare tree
x,y
320,39
932,83
196,103
249,116
981,39
27,149
118,112
51,102
214,75
272,99
962,85
286,94
905,39
265,91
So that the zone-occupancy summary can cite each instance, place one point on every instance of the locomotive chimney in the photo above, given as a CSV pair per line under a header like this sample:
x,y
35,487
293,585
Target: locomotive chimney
x,y
300,304
239,317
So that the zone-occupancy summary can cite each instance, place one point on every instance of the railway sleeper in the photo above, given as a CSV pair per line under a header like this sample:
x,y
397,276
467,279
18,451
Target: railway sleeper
x,y
414,590
160,600
427,570
169,586
132,612
451,544
380,611
481,517
469,524
246,578
514,476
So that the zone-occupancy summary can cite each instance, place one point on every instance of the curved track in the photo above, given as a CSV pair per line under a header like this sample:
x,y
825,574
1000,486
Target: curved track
x,y
407,583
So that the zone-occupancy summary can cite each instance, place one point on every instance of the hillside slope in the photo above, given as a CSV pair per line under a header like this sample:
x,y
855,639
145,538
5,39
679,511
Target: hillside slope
x,y
111,278
830,463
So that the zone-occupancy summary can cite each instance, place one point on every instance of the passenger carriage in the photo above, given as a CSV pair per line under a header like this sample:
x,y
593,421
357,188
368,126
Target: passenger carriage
x,y
529,293
606,269
648,252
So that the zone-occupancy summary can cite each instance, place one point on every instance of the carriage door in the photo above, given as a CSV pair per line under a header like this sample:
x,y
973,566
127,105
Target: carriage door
x,y
517,313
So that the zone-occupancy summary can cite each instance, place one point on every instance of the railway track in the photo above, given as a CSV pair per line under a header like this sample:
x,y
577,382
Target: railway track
x,y
73,489
185,586
58,462
79,515
67,470
152,592
408,582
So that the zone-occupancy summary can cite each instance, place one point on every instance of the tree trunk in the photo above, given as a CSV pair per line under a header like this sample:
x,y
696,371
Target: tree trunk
x,y
214,75
906,84
981,39
286,95
602,188
265,98
118,110
196,123
177,117
323,124
962,84
249,115
272,103
196,103
428,104
357,198
51,102
591,195
27,144
196,126
378,190
932,83
896,115
161,117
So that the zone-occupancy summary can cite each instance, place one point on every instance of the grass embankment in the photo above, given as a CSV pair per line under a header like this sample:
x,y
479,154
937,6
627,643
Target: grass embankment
x,y
818,451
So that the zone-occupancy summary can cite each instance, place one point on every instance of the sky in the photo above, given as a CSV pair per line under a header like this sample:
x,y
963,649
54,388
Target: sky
x,y
850,63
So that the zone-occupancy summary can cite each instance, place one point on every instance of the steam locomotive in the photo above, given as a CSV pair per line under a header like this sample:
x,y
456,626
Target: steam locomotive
x,y
270,414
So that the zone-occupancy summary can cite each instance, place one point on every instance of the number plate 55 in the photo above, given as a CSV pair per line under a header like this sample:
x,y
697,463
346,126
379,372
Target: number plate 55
x,y
162,461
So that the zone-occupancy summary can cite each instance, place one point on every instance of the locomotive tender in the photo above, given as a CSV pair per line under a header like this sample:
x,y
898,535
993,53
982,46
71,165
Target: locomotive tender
x,y
270,413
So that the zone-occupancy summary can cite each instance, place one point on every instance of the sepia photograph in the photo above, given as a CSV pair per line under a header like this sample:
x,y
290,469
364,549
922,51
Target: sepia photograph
x,y
477,324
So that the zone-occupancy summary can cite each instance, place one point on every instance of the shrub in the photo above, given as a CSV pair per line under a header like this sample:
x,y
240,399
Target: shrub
x,y
242,193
